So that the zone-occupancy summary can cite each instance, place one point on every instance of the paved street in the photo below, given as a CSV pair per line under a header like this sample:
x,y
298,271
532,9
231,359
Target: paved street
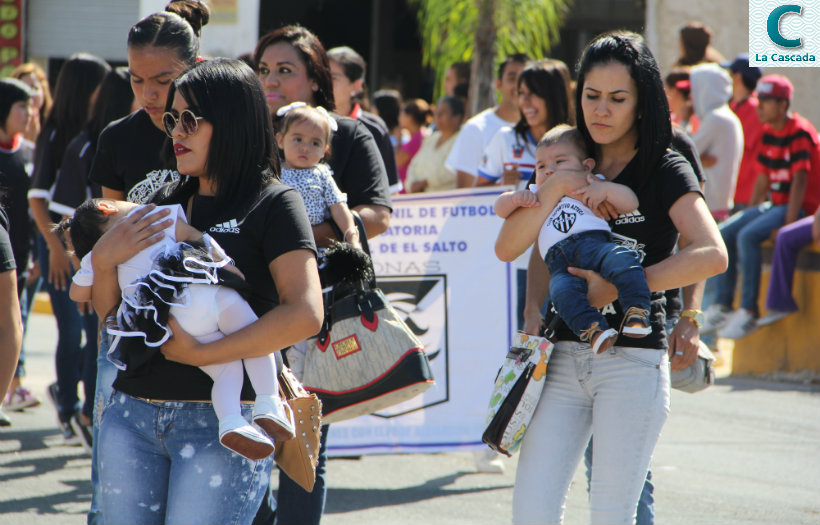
x,y
745,451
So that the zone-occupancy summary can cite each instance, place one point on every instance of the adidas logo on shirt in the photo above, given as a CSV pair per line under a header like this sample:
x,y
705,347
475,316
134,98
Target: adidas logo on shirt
x,y
230,226
630,218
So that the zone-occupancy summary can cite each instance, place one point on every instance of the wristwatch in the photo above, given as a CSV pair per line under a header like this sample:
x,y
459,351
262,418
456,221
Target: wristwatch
x,y
695,315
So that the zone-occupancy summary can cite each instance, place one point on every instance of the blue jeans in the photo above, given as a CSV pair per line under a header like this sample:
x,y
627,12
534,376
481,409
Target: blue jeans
x,y
161,462
73,362
592,250
743,234
106,373
296,506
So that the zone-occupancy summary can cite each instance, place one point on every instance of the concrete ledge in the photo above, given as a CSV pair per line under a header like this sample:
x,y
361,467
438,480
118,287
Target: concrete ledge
x,y
793,343
42,304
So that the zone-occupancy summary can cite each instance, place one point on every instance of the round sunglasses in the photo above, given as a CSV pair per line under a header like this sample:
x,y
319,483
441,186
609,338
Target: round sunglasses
x,y
189,121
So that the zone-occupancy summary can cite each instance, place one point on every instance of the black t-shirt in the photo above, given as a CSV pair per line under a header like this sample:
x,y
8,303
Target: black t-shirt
x,y
381,135
133,156
650,231
683,144
277,223
72,186
46,165
6,254
15,170
357,165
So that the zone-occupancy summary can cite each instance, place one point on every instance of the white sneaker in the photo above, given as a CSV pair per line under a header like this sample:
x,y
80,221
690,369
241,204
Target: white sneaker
x,y
772,316
715,317
488,461
741,323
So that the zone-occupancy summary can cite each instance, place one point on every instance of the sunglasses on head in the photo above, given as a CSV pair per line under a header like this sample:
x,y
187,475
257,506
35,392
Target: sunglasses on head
x,y
189,122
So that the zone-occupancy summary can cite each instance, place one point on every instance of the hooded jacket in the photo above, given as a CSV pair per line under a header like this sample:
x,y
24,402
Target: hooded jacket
x,y
720,134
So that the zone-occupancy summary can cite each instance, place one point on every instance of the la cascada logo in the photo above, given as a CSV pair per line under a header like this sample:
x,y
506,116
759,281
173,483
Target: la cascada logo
x,y
784,34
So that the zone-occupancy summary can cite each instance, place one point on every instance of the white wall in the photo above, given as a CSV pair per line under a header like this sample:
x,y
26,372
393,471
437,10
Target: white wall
x,y
224,40
729,20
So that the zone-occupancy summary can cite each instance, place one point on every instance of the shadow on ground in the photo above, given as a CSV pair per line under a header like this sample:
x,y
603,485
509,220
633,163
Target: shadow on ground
x,y
353,499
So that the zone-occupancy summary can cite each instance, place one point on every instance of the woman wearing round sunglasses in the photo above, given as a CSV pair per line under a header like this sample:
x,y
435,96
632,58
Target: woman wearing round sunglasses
x,y
133,157
160,461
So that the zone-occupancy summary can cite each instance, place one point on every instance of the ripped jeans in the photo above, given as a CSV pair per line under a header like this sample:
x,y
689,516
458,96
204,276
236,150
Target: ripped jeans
x,y
620,396
161,462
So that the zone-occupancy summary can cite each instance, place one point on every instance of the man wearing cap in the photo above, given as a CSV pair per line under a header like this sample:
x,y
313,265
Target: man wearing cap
x,y
787,188
744,104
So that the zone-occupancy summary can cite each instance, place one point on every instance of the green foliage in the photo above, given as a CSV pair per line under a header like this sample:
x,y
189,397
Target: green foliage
x,y
448,29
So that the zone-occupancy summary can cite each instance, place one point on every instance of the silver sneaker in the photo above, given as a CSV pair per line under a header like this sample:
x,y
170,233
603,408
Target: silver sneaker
x,y
772,316
741,324
715,317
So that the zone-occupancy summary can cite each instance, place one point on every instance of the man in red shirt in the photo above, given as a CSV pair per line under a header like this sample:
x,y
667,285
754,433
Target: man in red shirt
x,y
744,103
786,188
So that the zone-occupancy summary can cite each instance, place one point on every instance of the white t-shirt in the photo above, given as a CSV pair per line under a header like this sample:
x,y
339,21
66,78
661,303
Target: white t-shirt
x,y
505,151
473,138
569,217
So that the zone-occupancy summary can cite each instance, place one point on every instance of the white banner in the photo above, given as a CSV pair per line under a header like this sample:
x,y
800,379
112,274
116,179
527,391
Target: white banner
x,y
437,266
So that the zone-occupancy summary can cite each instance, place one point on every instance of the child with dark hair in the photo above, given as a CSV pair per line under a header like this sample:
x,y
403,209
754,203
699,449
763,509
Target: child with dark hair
x,y
414,117
304,140
180,276
572,235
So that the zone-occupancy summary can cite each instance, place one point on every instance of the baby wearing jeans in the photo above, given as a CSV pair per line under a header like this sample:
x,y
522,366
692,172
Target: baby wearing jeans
x,y
179,275
573,236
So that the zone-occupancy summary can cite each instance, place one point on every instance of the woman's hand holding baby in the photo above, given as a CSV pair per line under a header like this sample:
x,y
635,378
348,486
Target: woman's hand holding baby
x,y
131,235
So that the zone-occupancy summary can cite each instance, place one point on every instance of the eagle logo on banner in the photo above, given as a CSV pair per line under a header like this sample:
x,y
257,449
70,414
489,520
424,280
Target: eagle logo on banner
x,y
421,301
564,221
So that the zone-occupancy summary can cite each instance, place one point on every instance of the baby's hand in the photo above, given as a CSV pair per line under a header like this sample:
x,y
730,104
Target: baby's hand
x,y
593,194
525,199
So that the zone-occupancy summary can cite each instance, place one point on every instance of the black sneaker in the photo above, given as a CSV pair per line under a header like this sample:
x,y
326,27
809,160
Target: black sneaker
x,y
4,419
82,431
69,436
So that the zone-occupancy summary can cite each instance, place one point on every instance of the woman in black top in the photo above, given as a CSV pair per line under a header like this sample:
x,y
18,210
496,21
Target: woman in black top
x,y
293,66
77,82
622,394
177,471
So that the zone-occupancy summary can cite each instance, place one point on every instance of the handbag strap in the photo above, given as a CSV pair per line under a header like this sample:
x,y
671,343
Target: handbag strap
x,y
357,219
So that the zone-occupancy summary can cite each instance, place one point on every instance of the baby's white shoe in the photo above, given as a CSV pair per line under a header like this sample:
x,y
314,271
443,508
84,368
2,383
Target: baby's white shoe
x,y
239,436
274,416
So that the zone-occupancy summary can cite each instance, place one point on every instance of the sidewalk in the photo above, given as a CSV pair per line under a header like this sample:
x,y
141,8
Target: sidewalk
x,y
744,452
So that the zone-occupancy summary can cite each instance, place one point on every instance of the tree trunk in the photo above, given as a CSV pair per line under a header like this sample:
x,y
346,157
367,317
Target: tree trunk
x,y
482,88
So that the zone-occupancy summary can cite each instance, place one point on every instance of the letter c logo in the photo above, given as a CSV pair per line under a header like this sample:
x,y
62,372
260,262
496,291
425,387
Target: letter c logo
x,y
773,26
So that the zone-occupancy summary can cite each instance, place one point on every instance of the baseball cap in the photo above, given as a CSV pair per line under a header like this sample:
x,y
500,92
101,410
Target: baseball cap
x,y
741,65
775,86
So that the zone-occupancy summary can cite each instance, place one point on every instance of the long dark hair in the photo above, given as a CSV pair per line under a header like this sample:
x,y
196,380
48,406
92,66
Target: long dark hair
x,y
652,112
547,79
242,156
177,28
78,78
313,55
114,101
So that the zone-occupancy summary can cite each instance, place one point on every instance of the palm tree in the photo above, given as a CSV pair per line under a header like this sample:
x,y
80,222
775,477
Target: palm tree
x,y
483,31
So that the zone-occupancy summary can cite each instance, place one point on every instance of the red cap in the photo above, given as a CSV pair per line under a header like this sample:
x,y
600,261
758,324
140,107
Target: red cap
x,y
683,85
775,86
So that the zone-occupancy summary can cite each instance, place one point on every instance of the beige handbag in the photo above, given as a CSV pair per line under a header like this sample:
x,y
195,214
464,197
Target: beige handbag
x,y
299,456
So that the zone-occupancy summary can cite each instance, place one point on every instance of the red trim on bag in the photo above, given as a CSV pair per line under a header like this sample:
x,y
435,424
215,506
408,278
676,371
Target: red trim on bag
x,y
321,346
371,325
397,363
